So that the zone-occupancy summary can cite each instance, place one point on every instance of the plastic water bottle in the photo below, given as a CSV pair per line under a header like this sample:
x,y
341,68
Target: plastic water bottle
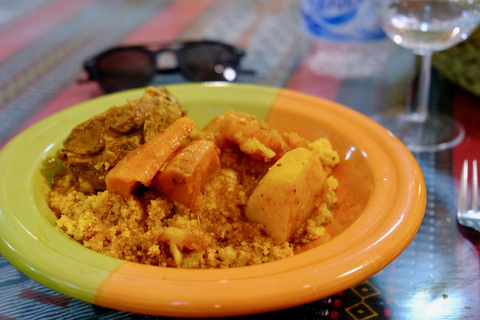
x,y
346,40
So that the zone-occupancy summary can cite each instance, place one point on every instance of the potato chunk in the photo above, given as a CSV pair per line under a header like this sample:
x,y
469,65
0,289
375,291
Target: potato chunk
x,y
287,195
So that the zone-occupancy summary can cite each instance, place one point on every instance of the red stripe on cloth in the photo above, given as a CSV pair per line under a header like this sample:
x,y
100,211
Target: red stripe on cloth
x,y
45,298
466,110
166,26
71,96
27,30
304,80
172,21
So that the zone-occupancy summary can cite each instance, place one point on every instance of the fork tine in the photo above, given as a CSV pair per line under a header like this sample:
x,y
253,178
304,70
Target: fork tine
x,y
462,193
474,186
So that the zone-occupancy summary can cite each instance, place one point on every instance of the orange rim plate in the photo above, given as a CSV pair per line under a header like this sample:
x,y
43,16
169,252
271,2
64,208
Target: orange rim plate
x,y
381,206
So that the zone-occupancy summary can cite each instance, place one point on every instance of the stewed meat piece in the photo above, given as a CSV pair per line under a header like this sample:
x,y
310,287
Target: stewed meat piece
x,y
96,145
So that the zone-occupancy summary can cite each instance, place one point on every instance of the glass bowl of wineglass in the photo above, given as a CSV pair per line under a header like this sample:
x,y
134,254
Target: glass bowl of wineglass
x,y
425,26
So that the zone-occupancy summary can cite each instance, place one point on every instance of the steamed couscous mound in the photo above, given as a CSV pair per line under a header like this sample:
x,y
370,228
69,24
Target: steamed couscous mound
x,y
150,228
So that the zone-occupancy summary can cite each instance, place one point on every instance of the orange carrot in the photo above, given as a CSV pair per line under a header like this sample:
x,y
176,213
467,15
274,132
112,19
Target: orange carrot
x,y
185,175
143,163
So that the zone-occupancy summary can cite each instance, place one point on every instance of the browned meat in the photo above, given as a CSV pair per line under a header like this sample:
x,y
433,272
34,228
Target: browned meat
x,y
95,146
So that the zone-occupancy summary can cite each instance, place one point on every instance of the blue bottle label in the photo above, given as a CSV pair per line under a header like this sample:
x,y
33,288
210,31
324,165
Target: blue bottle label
x,y
341,20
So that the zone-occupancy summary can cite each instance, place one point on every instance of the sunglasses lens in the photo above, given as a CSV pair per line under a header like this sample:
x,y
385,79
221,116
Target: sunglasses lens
x,y
125,69
210,62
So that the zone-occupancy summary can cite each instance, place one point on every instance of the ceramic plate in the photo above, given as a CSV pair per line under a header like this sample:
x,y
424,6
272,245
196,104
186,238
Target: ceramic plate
x,y
381,201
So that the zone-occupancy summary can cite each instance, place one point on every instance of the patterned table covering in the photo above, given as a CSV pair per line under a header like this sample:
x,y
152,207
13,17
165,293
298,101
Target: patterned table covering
x,y
44,42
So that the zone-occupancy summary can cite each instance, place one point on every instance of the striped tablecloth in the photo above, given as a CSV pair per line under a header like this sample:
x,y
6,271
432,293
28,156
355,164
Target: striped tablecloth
x,y
44,42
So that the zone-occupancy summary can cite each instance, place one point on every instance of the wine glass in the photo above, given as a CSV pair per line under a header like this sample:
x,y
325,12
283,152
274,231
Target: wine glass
x,y
425,26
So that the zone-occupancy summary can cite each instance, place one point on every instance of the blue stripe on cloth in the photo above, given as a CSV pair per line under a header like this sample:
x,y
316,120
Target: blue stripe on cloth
x,y
12,11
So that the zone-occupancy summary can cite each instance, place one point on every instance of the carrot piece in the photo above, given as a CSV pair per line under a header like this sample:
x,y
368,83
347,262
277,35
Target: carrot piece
x,y
185,175
143,163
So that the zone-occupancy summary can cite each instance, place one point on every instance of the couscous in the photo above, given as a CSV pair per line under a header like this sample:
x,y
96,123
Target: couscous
x,y
236,193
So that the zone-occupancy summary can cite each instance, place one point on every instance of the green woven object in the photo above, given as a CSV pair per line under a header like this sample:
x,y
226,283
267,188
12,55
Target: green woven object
x,y
461,63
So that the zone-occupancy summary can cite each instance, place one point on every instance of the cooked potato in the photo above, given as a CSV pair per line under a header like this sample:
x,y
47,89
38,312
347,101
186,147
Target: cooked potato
x,y
287,194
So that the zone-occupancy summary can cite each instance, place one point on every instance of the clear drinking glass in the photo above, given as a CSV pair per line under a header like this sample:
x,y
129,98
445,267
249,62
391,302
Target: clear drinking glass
x,y
426,26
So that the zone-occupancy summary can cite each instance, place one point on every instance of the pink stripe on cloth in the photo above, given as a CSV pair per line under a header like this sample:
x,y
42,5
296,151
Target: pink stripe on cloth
x,y
27,30
172,21
304,80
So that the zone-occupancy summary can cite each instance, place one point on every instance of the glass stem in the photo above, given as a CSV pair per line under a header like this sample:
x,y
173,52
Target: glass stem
x,y
423,90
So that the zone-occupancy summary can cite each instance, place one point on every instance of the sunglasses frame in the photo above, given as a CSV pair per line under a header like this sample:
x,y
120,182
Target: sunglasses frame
x,y
178,49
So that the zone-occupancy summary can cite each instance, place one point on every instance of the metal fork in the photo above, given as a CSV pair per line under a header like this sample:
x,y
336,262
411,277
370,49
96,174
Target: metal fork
x,y
468,217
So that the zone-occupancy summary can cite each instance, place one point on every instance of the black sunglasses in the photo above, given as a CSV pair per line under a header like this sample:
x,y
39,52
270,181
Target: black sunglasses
x,y
128,67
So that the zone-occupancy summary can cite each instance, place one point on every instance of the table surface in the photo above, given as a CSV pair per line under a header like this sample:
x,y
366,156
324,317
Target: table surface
x,y
43,44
